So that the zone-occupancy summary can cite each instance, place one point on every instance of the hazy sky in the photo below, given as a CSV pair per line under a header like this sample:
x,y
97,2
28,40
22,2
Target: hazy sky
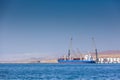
x,y
36,28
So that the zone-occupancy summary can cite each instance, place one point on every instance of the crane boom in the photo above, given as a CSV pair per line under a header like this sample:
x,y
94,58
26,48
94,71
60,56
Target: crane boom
x,y
96,53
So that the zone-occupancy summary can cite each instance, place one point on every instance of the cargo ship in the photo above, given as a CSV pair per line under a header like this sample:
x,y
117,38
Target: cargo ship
x,y
75,61
68,59
79,60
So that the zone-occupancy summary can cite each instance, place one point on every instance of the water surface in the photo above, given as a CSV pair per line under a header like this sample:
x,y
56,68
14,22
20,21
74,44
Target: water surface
x,y
59,71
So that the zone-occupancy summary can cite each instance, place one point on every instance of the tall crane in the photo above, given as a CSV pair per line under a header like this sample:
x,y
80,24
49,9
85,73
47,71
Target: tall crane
x,y
70,48
96,53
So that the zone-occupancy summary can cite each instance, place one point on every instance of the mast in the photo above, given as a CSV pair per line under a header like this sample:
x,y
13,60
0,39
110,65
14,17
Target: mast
x,y
96,53
70,48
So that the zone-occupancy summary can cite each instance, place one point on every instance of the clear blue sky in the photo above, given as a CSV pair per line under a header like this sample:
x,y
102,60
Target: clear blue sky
x,y
36,28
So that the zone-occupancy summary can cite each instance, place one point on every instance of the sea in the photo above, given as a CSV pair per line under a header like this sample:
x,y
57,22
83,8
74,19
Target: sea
x,y
38,71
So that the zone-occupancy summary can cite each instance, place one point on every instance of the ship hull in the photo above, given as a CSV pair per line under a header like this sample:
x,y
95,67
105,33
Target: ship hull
x,y
76,61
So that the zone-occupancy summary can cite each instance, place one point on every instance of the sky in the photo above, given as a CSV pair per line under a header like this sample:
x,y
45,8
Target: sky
x,y
43,28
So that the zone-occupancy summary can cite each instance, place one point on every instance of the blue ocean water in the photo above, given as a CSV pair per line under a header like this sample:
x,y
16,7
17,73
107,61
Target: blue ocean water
x,y
59,71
